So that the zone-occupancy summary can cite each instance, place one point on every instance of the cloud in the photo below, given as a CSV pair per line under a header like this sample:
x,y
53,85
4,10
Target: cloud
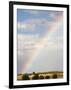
x,y
35,27
34,12
25,26
51,45
21,25
32,41
26,42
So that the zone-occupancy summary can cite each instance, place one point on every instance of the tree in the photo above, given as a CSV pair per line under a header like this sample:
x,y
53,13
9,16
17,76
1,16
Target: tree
x,y
25,76
36,76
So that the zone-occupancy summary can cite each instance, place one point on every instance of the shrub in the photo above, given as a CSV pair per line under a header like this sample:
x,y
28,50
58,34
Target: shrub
x,y
35,77
41,77
25,76
47,77
54,76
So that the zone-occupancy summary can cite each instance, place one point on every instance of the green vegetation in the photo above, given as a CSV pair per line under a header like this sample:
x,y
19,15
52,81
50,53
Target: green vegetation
x,y
40,75
25,76
35,76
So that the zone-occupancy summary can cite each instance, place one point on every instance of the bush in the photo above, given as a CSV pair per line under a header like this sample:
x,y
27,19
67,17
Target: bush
x,y
41,77
47,77
54,76
25,76
35,77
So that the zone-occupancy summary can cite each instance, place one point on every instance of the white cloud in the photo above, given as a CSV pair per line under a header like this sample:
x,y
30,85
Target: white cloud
x,y
34,12
51,44
25,26
21,25
30,24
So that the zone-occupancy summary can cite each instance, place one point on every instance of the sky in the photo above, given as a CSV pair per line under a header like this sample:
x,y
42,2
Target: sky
x,y
39,40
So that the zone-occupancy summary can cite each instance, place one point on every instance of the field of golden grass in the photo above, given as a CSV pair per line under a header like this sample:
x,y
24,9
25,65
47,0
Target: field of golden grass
x,y
41,75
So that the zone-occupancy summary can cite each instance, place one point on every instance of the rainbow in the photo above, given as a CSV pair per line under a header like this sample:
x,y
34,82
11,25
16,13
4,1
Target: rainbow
x,y
42,43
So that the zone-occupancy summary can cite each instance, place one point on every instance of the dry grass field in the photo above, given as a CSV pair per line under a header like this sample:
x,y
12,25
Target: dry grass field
x,y
40,75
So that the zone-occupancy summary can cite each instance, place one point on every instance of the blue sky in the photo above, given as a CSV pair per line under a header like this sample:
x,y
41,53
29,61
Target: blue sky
x,y
43,17
26,14
23,15
39,33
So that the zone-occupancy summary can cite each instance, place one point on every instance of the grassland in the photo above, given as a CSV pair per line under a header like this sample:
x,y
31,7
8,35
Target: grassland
x,y
40,75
